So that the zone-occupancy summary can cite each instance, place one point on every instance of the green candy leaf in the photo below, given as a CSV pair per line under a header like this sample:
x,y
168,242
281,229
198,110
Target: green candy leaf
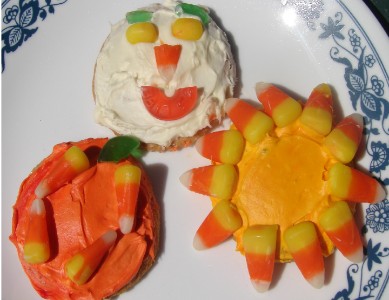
x,y
119,148
195,10
138,16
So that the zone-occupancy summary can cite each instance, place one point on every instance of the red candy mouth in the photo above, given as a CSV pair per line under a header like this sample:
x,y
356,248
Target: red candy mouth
x,y
169,108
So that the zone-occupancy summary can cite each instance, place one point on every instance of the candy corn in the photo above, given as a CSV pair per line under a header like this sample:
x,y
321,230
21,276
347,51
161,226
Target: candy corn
x,y
220,224
317,112
304,245
216,181
127,180
81,266
72,163
338,222
167,57
225,146
37,245
351,184
259,243
283,109
252,123
344,139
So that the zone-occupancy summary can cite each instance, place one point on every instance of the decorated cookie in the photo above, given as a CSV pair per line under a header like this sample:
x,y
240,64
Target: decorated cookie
x,y
86,221
282,185
163,75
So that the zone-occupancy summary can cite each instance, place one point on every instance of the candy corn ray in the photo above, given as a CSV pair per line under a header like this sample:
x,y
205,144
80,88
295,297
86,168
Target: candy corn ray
x,y
348,183
220,223
281,107
338,222
252,123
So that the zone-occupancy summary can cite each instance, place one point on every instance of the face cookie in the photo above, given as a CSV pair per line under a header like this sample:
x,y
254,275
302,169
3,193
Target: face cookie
x,y
163,74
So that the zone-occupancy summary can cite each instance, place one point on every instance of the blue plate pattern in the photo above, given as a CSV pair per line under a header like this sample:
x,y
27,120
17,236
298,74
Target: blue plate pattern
x,y
366,80
365,77
20,20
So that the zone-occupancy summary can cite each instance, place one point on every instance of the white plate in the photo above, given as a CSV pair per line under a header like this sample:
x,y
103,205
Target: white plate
x,y
47,99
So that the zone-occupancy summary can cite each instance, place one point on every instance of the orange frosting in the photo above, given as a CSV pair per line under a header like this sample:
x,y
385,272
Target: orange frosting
x,y
78,214
282,181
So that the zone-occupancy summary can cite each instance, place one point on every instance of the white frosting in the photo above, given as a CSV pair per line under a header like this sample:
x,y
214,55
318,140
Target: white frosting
x,y
122,68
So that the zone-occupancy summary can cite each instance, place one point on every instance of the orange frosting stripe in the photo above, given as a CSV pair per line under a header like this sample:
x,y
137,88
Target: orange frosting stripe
x,y
78,214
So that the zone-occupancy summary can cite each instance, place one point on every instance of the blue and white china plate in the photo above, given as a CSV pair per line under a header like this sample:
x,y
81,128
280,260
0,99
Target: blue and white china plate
x,y
49,49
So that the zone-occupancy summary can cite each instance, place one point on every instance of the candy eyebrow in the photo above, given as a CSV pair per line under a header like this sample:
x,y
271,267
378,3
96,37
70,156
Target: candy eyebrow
x,y
195,10
138,16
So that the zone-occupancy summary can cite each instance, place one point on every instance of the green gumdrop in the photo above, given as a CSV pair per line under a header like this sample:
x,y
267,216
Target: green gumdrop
x,y
119,148
138,16
195,10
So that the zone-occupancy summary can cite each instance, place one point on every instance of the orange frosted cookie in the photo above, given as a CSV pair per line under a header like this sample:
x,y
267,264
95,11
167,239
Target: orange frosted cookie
x,y
281,185
86,227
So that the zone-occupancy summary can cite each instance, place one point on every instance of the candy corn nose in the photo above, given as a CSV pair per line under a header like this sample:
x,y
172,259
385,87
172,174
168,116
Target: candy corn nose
x,y
167,57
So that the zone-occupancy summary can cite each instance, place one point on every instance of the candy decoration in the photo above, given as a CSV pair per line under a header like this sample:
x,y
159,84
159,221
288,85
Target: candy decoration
x,y
138,16
73,162
351,184
167,57
344,139
259,243
252,123
304,245
337,221
281,107
120,147
195,10
82,265
317,112
188,29
169,108
225,146
144,32
37,246
220,223
217,181
127,180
